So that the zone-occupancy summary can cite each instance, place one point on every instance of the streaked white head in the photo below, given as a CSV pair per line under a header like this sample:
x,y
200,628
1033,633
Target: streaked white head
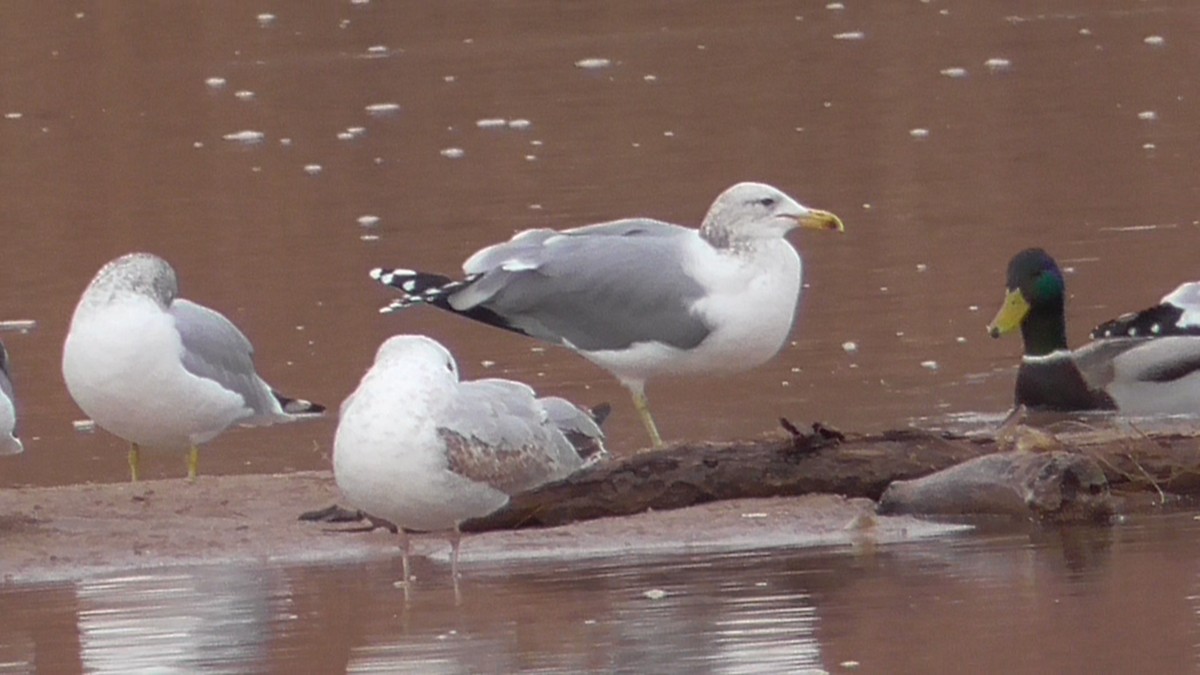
x,y
134,273
416,351
750,211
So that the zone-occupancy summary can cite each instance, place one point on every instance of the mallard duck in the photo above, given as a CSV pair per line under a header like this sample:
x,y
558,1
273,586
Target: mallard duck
x,y
1142,364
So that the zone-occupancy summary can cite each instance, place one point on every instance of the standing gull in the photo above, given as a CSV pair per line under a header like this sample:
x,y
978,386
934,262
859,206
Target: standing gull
x,y
160,371
641,297
420,449
9,443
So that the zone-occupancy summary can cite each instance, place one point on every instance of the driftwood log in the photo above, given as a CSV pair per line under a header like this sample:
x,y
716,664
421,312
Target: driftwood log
x,y
854,465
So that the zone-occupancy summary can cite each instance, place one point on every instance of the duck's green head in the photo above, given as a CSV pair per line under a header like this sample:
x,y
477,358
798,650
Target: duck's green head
x,y
1034,302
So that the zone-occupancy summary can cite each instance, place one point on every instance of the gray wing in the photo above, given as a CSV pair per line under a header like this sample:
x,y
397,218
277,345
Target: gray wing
x,y
1160,359
214,348
604,286
497,433
578,426
528,241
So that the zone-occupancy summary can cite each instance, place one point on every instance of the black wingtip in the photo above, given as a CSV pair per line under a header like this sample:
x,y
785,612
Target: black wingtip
x,y
1158,321
600,413
298,406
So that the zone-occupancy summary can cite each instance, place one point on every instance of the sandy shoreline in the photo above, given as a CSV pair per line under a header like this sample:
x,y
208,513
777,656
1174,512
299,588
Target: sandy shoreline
x,y
70,532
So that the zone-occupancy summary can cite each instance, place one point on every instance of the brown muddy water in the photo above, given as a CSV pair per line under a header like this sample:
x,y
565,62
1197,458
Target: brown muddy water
x,y
948,135
1081,600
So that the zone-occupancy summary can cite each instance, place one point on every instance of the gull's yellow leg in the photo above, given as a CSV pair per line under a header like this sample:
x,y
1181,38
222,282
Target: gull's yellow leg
x,y
135,454
193,462
643,409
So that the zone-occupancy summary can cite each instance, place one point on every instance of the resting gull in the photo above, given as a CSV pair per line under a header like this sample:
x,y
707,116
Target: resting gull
x,y
160,371
424,451
641,297
10,444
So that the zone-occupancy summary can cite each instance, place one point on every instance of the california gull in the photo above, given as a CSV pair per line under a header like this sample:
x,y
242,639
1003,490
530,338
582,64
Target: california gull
x,y
641,297
424,451
160,371
10,444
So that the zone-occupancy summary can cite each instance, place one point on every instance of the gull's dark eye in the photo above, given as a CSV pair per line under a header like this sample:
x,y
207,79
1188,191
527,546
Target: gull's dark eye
x,y
767,201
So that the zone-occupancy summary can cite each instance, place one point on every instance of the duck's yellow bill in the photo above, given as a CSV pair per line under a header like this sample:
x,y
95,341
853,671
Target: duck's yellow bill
x,y
816,219
1011,314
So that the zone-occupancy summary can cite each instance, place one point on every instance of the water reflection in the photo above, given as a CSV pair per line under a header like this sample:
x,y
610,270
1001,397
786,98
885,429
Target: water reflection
x,y
216,619
1114,599
719,614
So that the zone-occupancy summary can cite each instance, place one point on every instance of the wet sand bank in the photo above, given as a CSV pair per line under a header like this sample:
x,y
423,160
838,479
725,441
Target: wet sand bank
x,y
71,532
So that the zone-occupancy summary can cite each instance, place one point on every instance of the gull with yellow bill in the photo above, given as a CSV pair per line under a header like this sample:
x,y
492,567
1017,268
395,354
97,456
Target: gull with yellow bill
x,y
641,298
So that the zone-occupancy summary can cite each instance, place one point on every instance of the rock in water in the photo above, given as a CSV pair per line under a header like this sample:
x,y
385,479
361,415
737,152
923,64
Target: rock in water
x,y
1058,486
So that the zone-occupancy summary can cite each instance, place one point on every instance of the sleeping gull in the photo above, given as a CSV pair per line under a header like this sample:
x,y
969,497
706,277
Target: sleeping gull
x,y
9,443
420,449
160,371
641,297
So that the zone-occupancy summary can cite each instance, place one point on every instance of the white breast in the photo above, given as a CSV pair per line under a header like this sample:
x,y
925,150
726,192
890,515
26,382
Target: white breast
x,y
389,461
122,366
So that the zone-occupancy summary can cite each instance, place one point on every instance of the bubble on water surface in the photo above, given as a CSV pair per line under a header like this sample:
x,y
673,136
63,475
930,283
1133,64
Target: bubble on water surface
x,y
997,64
593,63
850,35
954,72
215,82
382,108
245,136
313,169
368,220
452,153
